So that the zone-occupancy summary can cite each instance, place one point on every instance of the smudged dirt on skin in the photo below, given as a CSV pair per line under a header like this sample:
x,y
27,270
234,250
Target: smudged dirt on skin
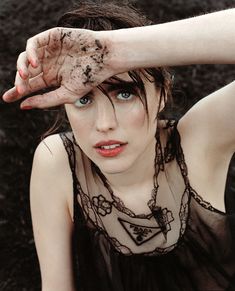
x,y
90,52
98,43
65,34
97,60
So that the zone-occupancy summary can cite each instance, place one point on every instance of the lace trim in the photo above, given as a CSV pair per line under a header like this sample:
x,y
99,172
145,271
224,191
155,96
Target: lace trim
x,y
201,201
184,170
69,149
101,207
118,247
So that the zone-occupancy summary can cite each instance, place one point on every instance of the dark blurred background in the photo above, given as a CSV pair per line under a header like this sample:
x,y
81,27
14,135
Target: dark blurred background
x,y
20,131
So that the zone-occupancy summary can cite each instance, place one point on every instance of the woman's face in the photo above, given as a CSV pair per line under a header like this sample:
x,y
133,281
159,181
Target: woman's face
x,y
116,137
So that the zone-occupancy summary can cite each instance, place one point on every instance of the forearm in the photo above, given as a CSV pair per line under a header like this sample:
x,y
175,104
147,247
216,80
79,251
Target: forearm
x,y
206,39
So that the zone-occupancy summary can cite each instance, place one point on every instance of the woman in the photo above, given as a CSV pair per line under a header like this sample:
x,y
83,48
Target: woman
x,y
130,199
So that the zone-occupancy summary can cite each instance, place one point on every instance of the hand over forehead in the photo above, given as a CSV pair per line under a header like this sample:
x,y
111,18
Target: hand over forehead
x,y
69,61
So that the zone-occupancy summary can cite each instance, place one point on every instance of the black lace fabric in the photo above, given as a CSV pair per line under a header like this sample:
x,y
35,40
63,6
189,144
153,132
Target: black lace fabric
x,y
181,244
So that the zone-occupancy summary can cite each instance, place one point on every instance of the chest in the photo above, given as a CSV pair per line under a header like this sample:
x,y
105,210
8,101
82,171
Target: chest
x,y
129,221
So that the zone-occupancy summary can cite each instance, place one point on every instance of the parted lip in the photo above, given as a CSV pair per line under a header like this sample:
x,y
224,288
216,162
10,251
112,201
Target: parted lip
x,y
108,142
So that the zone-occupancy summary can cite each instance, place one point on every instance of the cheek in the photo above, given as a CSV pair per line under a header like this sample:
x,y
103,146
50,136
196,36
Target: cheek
x,y
138,119
135,117
79,123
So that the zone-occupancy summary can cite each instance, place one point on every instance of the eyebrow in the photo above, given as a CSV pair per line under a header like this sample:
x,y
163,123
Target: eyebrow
x,y
112,86
118,85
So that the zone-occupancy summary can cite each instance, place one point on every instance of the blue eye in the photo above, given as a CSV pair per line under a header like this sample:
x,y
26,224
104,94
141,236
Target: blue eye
x,y
83,101
125,95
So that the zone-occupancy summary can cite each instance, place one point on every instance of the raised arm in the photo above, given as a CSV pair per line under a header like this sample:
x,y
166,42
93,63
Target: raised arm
x,y
206,39
73,61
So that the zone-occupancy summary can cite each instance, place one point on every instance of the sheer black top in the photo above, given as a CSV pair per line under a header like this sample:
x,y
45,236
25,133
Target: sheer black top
x,y
183,244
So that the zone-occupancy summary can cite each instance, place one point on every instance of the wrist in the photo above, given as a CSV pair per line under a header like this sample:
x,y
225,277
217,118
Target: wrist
x,y
133,48
120,57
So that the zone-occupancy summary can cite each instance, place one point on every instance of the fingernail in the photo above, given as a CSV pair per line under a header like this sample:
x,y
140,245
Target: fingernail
x,y
7,96
20,90
33,63
22,74
26,107
4,96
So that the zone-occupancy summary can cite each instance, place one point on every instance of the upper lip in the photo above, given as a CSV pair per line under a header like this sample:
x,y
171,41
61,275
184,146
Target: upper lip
x,y
108,142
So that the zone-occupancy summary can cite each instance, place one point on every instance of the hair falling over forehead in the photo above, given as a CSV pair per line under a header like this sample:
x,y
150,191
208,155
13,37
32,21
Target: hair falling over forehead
x,y
138,77
111,15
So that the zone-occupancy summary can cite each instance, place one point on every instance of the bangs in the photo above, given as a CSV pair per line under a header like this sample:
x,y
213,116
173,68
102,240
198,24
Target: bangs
x,y
152,75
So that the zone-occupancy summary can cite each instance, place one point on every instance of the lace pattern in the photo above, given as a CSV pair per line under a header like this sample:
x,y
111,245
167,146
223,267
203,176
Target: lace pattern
x,y
201,201
99,206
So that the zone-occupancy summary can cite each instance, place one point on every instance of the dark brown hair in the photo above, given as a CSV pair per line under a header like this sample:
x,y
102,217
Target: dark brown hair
x,y
102,15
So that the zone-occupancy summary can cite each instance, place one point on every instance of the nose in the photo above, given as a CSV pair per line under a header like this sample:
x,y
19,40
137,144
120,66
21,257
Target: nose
x,y
106,118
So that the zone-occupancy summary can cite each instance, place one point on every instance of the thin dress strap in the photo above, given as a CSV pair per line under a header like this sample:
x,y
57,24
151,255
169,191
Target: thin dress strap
x,y
67,138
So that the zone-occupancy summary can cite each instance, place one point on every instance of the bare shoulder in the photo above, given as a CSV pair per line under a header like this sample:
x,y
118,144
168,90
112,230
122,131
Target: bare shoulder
x,y
51,151
51,171
51,199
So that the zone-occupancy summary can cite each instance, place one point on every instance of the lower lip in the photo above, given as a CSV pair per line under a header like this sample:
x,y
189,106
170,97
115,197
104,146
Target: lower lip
x,y
111,152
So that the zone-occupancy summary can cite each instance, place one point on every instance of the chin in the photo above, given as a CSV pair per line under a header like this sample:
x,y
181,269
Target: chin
x,y
111,171
113,167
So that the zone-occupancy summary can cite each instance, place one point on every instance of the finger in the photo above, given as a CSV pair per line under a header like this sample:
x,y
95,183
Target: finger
x,y
31,51
34,72
22,65
10,95
38,41
25,69
50,99
34,84
20,84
